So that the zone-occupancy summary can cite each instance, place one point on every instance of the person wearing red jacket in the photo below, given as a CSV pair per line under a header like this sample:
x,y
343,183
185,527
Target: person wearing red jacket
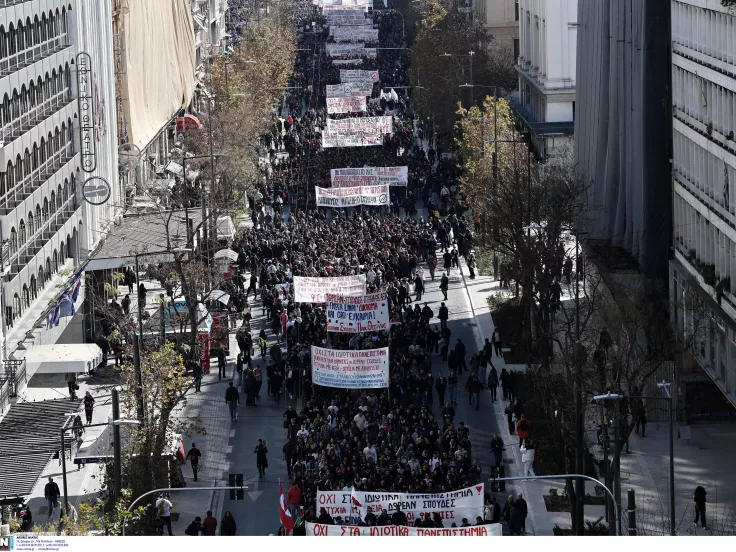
x,y
294,500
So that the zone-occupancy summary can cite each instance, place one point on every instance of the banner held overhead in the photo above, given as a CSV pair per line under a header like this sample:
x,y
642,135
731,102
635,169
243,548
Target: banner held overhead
x,y
363,369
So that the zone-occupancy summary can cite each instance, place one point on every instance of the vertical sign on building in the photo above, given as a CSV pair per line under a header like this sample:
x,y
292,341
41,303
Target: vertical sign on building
x,y
86,112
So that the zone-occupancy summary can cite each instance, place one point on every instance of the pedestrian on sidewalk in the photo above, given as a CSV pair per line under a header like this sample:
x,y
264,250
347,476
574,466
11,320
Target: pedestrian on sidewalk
x,y
470,260
51,493
418,287
221,365
197,375
699,499
444,286
443,315
527,457
72,385
432,264
194,528
509,411
232,398
497,450
504,379
493,383
496,341
521,505
209,525
163,509
193,456
228,526
523,427
261,451
89,405
452,384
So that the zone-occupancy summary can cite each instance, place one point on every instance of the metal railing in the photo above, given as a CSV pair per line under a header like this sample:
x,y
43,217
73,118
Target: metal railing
x,y
15,371
18,194
32,117
4,394
7,3
34,53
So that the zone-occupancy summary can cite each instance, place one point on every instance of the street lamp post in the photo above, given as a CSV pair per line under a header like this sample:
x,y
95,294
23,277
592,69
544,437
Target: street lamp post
x,y
470,55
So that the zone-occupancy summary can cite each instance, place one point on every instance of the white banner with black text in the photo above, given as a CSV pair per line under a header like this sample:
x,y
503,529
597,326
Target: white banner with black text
x,y
374,196
348,369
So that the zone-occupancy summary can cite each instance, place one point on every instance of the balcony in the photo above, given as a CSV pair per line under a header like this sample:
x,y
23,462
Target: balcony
x,y
8,3
41,174
43,233
33,54
18,127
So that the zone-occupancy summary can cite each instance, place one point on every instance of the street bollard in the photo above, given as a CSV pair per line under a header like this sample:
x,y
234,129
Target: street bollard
x,y
632,513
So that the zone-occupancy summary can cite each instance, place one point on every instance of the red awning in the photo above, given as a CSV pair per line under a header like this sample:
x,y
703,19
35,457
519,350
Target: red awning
x,y
187,122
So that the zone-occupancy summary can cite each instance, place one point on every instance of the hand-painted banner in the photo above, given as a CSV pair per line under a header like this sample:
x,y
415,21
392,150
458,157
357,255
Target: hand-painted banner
x,y
347,61
353,104
452,506
320,530
358,75
364,369
313,290
349,89
369,176
358,125
338,140
346,50
364,33
342,4
367,313
375,196
346,17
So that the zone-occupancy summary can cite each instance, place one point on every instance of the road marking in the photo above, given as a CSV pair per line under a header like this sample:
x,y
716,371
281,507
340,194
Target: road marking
x,y
232,433
230,449
255,495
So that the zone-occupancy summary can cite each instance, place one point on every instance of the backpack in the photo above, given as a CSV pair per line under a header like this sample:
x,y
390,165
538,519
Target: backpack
x,y
160,508
523,426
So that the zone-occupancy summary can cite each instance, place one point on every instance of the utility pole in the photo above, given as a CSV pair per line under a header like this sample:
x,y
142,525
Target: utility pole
x,y
579,455
617,459
117,463
139,378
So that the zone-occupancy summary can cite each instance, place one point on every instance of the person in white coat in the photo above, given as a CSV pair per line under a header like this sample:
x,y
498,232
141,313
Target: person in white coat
x,y
527,457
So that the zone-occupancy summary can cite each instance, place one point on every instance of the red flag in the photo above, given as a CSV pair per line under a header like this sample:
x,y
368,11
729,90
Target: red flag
x,y
284,514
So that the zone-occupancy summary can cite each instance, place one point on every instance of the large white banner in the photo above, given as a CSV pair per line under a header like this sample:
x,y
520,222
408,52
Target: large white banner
x,y
346,17
366,369
358,75
338,140
342,4
369,176
320,530
313,290
354,104
347,61
348,89
452,506
350,197
364,33
358,125
346,50
367,313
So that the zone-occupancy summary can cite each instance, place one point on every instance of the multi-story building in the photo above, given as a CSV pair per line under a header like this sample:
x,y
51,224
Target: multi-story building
x,y
501,19
209,28
546,65
704,198
57,121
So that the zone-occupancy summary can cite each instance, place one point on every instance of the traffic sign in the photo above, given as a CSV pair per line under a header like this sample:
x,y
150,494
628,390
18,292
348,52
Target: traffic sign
x,y
84,460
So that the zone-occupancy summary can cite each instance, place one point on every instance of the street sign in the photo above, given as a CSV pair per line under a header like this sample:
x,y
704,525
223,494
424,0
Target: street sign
x,y
84,460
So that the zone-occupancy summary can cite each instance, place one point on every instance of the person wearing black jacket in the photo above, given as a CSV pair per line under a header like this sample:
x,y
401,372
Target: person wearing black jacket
x,y
441,386
452,383
398,517
523,511
232,398
444,314
497,449
444,285
228,526
193,456
370,517
325,518
383,519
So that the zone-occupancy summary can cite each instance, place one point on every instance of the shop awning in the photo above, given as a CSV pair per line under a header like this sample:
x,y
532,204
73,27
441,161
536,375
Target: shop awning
x,y
219,295
188,122
226,254
60,358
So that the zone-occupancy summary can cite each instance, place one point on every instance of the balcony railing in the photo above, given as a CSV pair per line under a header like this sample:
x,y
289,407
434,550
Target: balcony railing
x,y
38,114
15,371
30,183
33,54
8,3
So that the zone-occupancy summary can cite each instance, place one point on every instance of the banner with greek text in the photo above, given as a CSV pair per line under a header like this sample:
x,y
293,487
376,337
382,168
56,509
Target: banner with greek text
x,y
346,50
342,4
358,75
374,196
364,33
347,18
347,61
338,140
349,89
369,176
452,506
354,104
367,313
365,369
320,530
313,290
358,125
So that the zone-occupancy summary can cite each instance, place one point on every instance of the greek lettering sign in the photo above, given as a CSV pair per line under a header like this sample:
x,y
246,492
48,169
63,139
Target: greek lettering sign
x,y
351,197
349,89
341,140
452,506
357,125
313,290
367,313
320,530
346,17
358,75
86,112
353,104
368,176
365,369
365,33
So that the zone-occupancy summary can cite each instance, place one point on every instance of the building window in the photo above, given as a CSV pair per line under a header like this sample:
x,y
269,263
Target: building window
x,y
516,50
516,10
